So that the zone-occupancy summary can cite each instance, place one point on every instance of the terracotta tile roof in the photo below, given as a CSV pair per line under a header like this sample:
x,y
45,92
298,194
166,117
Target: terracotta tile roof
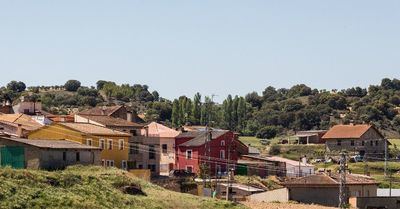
x,y
52,144
201,137
27,122
329,180
159,130
88,128
347,131
104,110
111,121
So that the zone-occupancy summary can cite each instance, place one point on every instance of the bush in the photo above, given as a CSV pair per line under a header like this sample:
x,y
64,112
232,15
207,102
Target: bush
x,y
268,132
275,150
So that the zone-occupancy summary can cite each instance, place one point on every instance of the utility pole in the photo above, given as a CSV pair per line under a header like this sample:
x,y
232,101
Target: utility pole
x,y
230,172
342,183
386,156
390,184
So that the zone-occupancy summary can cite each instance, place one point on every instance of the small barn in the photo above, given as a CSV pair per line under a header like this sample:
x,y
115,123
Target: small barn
x,y
45,154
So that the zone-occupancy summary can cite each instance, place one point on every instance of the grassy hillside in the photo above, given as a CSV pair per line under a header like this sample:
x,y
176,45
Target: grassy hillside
x,y
90,187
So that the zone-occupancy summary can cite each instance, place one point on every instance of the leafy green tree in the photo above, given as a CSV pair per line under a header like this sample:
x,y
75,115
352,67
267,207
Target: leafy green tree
x,y
72,85
268,132
175,114
196,109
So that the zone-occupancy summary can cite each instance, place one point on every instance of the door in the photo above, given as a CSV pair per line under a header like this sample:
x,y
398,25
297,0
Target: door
x,y
12,156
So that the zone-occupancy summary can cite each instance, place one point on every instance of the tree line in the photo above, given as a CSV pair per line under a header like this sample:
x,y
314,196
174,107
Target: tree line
x,y
273,112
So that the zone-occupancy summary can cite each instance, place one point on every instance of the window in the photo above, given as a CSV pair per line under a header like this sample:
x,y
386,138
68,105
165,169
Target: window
x,y
189,168
222,154
339,142
363,143
103,162
376,143
352,142
371,143
89,142
110,144
121,144
152,152
151,167
222,143
102,144
218,169
189,154
165,148
64,156
134,149
140,166
78,156
124,165
110,163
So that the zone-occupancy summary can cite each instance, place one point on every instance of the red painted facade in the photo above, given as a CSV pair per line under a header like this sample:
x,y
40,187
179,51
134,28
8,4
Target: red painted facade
x,y
219,153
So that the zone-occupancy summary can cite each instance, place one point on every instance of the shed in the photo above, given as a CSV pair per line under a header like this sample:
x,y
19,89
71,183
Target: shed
x,y
46,154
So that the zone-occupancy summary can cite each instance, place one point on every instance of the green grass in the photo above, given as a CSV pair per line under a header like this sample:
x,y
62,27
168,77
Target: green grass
x,y
253,141
90,187
294,152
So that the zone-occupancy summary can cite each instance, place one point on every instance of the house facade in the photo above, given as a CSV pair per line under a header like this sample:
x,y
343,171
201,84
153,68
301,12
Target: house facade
x,y
113,144
364,140
154,149
193,149
45,154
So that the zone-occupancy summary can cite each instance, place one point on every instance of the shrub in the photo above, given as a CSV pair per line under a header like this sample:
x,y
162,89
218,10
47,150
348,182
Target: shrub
x,y
268,132
275,150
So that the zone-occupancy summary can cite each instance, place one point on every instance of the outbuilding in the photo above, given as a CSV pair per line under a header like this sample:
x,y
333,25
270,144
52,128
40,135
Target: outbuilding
x,y
46,154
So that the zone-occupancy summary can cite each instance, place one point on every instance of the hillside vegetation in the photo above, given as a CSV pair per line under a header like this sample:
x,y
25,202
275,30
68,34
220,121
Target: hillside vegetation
x,y
91,187
277,111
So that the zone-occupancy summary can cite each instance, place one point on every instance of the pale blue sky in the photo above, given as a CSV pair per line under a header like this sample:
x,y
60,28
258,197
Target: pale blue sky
x,y
215,46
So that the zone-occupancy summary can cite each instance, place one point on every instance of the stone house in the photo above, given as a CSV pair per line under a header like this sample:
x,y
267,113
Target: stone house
x,y
45,154
363,139
323,189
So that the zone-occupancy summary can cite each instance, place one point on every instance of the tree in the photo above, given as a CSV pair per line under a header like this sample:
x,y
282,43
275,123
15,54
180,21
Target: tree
x,y
156,96
196,109
100,84
15,86
268,132
254,99
72,85
175,113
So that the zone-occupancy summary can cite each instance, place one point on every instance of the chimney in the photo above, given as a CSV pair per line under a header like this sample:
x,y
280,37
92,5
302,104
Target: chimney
x,y
19,131
304,160
103,110
129,116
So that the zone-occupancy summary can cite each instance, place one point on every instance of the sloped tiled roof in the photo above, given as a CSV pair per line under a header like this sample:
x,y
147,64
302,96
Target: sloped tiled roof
x,y
201,137
347,131
333,179
53,144
88,128
159,130
111,121
27,122
105,110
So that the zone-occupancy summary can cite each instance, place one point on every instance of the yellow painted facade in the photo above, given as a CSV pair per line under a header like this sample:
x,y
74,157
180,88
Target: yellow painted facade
x,y
114,150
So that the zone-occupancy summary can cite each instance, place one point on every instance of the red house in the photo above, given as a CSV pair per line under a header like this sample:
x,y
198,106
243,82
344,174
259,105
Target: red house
x,y
192,149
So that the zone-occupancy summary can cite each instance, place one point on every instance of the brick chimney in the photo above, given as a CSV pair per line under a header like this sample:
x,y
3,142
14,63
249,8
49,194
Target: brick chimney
x,y
19,131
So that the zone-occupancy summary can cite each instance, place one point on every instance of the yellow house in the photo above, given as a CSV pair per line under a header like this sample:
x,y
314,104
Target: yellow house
x,y
114,144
